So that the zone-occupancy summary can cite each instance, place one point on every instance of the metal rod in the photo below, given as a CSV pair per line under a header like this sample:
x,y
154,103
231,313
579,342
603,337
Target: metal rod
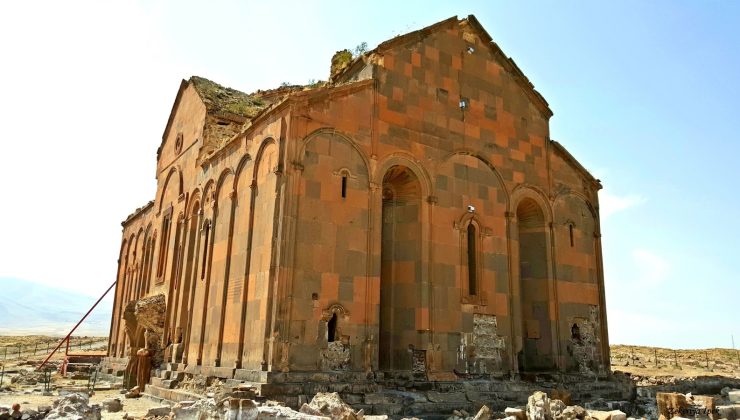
x,y
655,354
706,355
75,327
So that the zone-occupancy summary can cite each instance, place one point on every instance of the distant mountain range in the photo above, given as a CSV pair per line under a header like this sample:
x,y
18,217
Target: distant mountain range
x,y
31,308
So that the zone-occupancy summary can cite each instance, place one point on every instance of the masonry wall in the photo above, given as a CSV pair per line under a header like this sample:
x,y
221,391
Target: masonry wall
x,y
376,225
492,155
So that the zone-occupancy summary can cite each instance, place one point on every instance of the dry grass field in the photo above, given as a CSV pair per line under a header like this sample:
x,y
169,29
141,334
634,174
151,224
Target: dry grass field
x,y
639,360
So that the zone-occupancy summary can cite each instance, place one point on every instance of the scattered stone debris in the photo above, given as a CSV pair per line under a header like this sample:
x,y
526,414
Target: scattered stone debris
x,y
516,413
112,405
538,406
483,414
27,377
204,408
134,392
160,411
74,407
330,405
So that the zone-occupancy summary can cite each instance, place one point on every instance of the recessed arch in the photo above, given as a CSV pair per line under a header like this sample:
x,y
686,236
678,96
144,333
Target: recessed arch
x,y
577,195
537,353
328,131
406,160
208,193
221,183
174,171
402,262
241,166
264,145
467,152
524,191
194,203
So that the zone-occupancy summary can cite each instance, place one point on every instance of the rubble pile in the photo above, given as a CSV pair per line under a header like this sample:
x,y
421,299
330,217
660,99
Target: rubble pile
x,y
27,377
74,407
330,405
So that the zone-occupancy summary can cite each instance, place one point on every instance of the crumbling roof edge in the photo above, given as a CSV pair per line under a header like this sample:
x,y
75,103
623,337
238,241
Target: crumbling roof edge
x,y
344,88
415,35
576,164
137,212
215,108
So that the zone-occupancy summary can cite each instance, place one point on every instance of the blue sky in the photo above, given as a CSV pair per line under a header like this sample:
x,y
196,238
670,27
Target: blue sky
x,y
644,95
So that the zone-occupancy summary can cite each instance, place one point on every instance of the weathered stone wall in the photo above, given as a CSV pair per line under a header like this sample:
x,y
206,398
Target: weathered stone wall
x,y
399,202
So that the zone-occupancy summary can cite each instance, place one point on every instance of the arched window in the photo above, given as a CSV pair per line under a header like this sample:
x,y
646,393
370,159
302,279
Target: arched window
x,y
344,186
472,260
570,232
331,329
164,244
206,235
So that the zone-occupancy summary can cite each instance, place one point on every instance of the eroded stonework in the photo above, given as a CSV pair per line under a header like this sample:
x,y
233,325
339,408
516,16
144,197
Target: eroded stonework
x,y
585,343
489,346
336,356
410,215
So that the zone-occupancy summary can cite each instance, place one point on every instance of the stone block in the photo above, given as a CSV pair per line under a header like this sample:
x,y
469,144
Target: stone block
x,y
538,406
160,411
516,413
483,414
734,396
573,412
446,397
729,412
388,409
670,404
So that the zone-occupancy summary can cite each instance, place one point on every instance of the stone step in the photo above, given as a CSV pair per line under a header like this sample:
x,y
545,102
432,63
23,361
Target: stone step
x,y
164,383
171,396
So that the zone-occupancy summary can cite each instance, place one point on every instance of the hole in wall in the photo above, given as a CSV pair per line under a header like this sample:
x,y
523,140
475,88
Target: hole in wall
x,y
332,328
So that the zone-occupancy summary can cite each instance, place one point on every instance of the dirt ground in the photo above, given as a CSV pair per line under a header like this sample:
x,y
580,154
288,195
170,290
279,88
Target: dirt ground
x,y
136,407
639,360
29,396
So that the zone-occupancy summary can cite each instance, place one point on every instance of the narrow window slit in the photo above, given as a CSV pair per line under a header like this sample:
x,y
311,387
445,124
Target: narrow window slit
x,y
344,186
570,230
472,261
332,328
205,252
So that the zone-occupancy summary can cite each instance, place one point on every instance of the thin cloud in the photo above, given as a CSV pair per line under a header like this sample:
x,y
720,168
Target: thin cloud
x,y
611,203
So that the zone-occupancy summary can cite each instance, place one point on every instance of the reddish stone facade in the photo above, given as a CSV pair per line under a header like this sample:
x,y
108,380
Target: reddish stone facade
x,y
411,214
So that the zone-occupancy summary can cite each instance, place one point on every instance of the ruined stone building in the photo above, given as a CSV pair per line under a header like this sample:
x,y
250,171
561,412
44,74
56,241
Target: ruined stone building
x,y
411,214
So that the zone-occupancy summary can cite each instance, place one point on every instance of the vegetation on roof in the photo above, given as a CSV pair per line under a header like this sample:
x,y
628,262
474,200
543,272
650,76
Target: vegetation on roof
x,y
223,100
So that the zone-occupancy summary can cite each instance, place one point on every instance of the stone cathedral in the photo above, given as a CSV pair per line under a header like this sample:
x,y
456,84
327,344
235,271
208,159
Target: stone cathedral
x,y
409,216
